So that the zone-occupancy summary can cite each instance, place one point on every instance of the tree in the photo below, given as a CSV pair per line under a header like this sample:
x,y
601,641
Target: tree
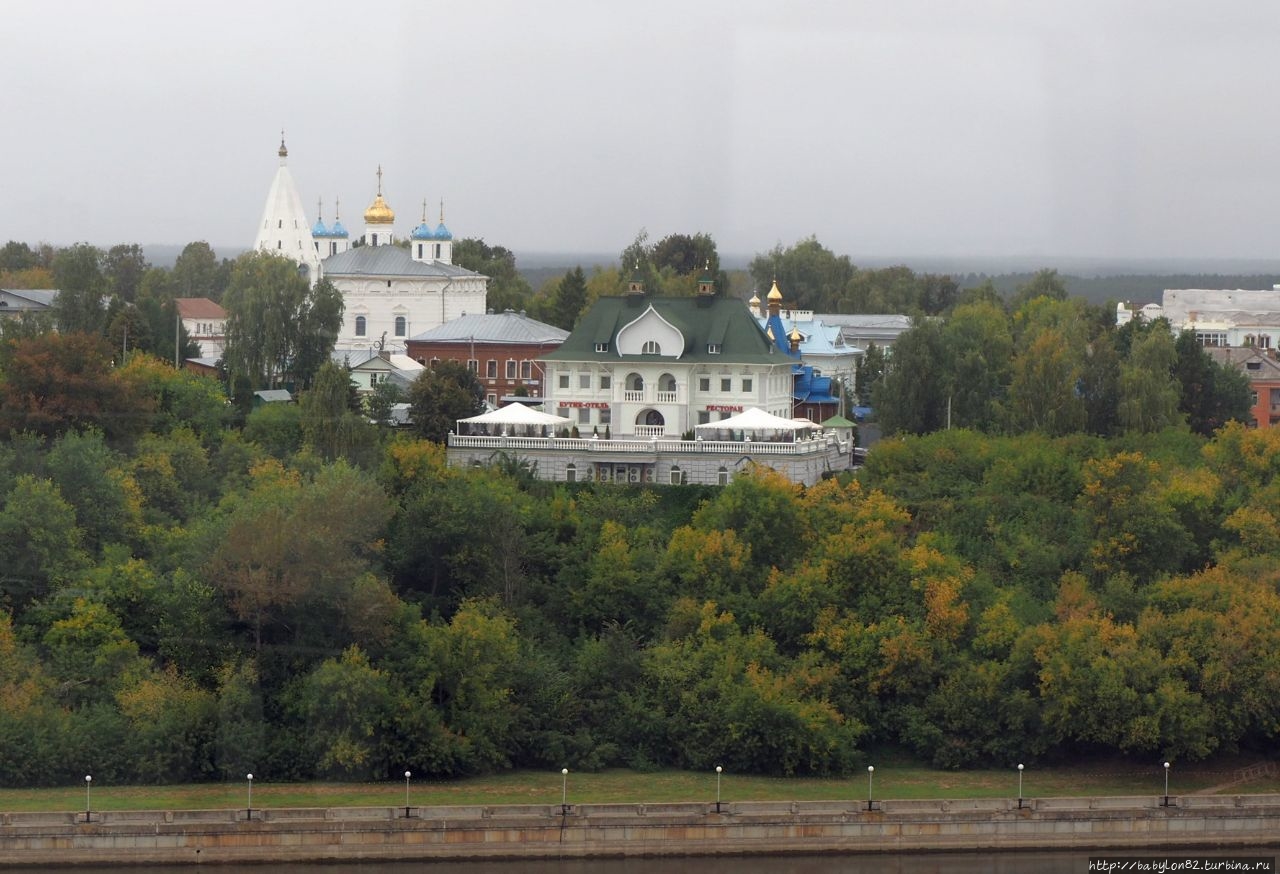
x,y
40,544
871,370
979,355
1043,395
507,288
1211,394
912,396
1046,283
442,395
279,328
327,422
196,273
82,286
1148,390
55,383
124,267
571,297
15,255
809,275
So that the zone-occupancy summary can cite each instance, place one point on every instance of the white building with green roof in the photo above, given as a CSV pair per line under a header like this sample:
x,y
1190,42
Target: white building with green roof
x,y
636,377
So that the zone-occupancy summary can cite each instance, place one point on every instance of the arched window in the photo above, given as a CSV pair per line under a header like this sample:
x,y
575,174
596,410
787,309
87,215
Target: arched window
x,y
651,347
635,382
667,382
722,476
400,326
360,326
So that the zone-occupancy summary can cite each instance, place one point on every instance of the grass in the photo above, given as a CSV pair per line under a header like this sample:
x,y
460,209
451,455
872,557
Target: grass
x,y
892,780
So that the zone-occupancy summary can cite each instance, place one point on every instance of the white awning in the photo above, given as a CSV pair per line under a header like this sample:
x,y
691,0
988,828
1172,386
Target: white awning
x,y
756,420
514,415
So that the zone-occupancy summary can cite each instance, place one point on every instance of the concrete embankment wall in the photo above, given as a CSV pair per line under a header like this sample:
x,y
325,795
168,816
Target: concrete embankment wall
x,y
532,831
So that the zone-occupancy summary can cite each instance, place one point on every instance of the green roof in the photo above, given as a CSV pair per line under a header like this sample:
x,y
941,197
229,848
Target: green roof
x,y
725,322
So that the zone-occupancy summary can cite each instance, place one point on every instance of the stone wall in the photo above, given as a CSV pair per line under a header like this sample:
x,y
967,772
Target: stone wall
x,y
600,830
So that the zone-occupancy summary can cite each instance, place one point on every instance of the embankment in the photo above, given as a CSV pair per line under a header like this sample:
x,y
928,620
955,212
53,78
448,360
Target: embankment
x,y
601,830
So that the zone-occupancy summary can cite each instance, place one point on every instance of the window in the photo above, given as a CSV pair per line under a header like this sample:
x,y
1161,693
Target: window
x,y
584,416
704,383
437,251
511,368
1211,338
564,380
713,348
360,326
492,399
571,473
419,251
562,412
704,416
525,370
651,347
606,416
584,380
722,477
602,347
746,383
473,365
726,384
279,223
676,475
605,382
491,369
434,362
373,240
401,324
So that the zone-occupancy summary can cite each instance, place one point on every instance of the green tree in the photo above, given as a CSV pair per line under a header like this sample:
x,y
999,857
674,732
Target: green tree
x,y
871,370
1212,394
570,299
92,478
810,275
1046,283
279,328
327,423
912,397
979,352
1043,394
1148,391
507,288
123,268
40,544
197,273
442,395
347,706
82,289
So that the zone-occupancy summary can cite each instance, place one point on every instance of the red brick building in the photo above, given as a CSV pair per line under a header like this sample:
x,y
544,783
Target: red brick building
x,y
1263,372
502,349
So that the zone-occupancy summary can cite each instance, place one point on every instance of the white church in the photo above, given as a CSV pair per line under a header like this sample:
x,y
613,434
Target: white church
x,y
391,292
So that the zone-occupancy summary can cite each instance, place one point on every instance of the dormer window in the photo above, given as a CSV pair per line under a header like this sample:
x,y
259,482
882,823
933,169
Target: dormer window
x,y
651,347
713,348
602,347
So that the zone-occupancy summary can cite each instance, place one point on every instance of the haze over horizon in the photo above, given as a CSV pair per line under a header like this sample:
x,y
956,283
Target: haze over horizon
x,y
989,129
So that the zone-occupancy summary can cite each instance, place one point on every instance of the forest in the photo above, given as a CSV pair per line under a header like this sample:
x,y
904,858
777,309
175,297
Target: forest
x,y
188,598
192,588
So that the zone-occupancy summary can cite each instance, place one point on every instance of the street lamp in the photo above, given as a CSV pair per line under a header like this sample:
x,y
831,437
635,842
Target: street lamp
x,y
1019,786
718,770
249,809
407,775
1166,784
564,791
88,779
871,772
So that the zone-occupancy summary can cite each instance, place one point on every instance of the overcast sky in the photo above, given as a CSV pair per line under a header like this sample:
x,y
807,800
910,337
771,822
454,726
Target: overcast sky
x,y
1115,128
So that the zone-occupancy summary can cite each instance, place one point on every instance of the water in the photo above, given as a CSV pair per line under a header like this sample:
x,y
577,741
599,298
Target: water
x,y
910,863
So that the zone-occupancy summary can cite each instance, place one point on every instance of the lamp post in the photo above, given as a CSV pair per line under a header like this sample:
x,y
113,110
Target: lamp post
x,y
88,781
407,775
871,772
564,791
249,809
1166,785
718,770
1019,786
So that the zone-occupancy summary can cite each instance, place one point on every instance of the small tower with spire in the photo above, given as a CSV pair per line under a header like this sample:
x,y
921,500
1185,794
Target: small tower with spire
x,y
422,239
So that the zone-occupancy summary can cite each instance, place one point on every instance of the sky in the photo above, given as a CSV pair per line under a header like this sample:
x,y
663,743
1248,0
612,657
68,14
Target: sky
x,y
1088,128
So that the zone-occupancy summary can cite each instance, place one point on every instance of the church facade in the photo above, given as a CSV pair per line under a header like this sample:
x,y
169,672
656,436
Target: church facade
x,y
392,287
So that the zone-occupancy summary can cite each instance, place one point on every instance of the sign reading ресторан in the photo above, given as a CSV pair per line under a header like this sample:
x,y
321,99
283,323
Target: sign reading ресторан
x,y
1182,863
724,408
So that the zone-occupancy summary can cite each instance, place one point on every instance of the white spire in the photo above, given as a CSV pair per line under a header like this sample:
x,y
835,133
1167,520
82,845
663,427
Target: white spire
x,y
284,228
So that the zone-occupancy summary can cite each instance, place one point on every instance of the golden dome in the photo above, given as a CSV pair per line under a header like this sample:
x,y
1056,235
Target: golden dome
x,y
379,213
774,294
755,298
795,335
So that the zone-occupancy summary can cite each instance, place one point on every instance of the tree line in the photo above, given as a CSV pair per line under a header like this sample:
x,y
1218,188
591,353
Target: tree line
x,y
192,593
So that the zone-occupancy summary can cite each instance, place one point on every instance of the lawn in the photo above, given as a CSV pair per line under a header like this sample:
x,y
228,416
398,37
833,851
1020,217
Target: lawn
x,y
892,780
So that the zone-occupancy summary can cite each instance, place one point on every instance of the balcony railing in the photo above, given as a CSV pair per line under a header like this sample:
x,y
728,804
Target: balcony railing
x,y
667,397
649,396
651,430
633,396
650,444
